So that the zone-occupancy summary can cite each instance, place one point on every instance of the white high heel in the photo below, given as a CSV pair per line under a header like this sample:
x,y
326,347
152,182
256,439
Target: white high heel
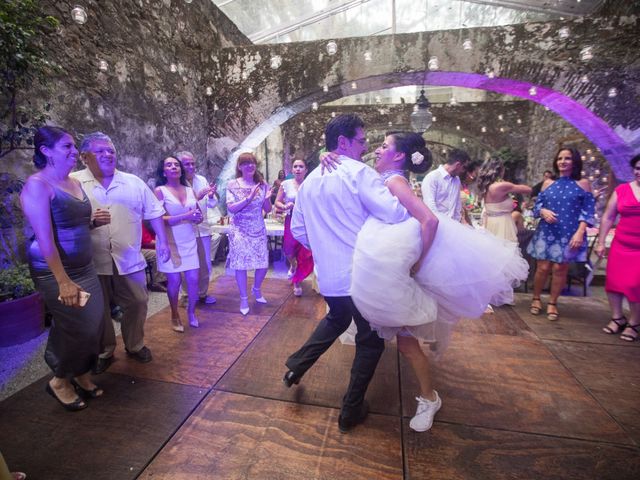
x,y
258,294
244,305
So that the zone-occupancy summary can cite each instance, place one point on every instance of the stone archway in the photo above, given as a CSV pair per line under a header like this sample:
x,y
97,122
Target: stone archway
x,y
615,150
255,97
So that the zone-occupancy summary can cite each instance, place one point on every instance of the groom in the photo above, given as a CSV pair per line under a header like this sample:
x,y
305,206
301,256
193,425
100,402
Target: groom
x,y
329,212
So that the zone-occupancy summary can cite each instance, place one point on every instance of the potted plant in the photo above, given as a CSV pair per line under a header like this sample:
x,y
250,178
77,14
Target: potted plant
x,y
21,307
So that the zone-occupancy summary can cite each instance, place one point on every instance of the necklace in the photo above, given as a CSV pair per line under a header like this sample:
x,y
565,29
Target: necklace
x,y
386,175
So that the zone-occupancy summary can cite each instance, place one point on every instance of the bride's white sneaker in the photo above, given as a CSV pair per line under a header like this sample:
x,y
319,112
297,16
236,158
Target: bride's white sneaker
x,y
427,409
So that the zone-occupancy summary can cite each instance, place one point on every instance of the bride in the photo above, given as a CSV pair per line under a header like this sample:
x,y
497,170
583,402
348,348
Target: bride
x,y
415,279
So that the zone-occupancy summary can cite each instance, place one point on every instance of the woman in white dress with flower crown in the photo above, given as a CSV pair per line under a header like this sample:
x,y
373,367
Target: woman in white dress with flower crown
x,y
416,279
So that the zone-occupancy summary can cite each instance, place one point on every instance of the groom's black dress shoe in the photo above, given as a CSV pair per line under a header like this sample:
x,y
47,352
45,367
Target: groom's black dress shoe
x,y
346,424
291,378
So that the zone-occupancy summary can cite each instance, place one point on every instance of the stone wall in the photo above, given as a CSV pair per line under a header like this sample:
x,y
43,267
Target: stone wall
x,y
148,110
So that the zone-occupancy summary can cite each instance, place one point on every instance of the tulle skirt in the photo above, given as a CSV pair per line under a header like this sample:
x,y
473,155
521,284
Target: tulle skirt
x,y
464,271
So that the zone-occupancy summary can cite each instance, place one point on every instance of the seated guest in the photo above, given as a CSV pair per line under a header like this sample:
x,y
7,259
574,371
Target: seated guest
x,y
60,260
148,247
182,217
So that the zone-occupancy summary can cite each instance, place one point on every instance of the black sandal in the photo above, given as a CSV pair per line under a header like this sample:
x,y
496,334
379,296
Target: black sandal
x,y
533,309
74,406
620,325
84,393
628,337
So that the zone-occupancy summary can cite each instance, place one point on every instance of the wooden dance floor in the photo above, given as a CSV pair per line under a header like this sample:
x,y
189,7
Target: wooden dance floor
x,y
523,398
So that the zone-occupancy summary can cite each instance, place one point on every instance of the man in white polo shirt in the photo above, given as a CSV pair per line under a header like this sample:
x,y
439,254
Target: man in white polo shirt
x,y
206,196
120,201
329,212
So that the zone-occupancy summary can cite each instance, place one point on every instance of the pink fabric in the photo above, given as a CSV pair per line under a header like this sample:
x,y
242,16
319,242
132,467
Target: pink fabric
x,y
293,248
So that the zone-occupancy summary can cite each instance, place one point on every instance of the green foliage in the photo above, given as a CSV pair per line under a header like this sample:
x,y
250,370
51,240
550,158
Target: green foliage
x,y
514,162
15,282
23,63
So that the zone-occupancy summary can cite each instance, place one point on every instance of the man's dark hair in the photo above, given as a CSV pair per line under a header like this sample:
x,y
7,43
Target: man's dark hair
x,y
549,172
456,155
345,125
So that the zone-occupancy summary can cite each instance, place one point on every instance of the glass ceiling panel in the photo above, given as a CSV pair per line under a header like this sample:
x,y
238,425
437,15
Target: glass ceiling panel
x,y
284,21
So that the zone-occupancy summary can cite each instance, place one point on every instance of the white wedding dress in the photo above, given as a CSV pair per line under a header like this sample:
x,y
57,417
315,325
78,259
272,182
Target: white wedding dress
x,y
464,270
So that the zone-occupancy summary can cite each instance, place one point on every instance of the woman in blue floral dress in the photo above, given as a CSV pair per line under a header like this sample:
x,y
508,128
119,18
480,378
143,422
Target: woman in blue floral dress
x,y
565,207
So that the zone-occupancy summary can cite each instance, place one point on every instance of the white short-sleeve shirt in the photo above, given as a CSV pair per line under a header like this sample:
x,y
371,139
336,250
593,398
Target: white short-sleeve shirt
x,y
129,200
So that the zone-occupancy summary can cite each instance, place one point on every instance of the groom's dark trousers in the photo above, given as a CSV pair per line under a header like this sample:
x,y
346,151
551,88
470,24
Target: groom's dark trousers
x,y
369,348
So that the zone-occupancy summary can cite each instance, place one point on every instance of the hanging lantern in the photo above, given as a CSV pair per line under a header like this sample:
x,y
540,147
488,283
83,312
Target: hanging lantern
x,y
103,66
367,56
483,129
467,44
564,33
275,62
612,92
354,86
421,118
433,64
533,91
314,106
586,54
325,88
332,47
173,68
209,91
79,15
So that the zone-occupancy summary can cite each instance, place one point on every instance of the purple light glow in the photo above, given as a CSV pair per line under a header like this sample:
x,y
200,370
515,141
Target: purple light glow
x,y
613,148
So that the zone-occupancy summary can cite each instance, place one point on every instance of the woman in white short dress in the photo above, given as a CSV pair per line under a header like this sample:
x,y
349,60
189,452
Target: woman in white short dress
x,y
182,216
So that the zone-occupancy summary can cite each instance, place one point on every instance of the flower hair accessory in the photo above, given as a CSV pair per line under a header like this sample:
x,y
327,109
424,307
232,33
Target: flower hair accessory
x,y
417,158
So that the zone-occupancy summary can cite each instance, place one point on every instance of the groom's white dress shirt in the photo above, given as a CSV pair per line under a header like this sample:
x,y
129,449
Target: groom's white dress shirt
x,y
330,211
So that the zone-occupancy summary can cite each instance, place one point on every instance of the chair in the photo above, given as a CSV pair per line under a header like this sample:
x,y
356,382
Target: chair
x,y
524,237
582,272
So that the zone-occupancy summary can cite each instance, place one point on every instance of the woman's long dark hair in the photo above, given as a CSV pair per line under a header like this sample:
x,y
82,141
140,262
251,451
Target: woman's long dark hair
x,y
45,137
576,163
161,179
410,143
